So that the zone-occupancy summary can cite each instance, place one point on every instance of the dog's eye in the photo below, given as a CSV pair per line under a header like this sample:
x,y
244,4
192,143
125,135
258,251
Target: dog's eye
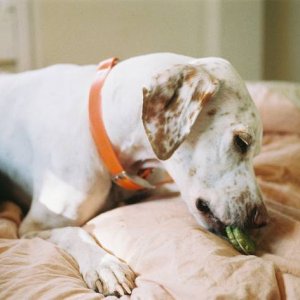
x,y
242,142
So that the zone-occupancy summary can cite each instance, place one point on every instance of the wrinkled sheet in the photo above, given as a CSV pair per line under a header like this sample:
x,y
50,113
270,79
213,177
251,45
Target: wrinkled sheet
x,y
174,257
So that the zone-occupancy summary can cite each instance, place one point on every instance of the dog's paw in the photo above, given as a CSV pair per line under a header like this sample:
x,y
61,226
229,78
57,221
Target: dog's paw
x,y
109,276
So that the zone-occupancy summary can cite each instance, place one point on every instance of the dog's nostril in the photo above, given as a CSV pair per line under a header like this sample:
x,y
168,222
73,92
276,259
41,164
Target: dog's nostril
x,y
258,218
202,205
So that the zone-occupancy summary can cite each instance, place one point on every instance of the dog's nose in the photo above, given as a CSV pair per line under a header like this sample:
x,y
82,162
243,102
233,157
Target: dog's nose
x,y
202,205
258,217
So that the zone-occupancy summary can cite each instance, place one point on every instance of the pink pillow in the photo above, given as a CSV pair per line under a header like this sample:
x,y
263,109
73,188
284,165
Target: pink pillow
x,y
277,103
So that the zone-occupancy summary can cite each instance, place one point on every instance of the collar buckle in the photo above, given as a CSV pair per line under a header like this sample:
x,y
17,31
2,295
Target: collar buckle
x,y
123,178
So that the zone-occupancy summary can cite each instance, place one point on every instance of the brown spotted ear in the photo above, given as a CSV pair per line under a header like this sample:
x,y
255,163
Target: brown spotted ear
x,y
172,104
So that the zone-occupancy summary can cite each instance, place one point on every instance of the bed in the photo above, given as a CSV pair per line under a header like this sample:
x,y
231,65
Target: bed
x,y
173,257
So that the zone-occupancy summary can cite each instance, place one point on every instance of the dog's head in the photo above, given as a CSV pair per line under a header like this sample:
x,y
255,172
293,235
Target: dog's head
x,y
202,123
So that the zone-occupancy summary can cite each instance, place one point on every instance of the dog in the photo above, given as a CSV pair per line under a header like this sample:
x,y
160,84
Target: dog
x,y
192,117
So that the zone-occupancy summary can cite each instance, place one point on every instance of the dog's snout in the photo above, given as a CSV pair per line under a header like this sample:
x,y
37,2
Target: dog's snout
x,y
258,217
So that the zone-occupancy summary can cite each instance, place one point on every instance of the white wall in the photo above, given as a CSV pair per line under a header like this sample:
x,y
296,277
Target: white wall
x,y
242,35
86,31
260,37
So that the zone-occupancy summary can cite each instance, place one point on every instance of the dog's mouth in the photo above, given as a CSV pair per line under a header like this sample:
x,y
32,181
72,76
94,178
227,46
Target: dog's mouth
x,y
213,223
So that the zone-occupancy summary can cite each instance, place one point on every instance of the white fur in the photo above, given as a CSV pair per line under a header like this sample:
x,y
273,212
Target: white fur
x,y
47,149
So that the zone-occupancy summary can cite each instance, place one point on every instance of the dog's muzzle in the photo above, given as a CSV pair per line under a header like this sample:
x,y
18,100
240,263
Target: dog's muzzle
x,y
256,218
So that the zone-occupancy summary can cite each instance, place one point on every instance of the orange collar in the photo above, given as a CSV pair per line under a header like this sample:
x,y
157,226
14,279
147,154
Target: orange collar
x,y
101,139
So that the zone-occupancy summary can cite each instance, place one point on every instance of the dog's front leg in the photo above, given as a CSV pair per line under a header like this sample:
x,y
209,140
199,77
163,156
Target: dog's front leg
x,y
101,271
56,214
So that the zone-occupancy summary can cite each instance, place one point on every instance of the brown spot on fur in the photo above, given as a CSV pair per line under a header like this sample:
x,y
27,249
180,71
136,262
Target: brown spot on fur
x,y
157,140
172,142
150,111
225,113
174,104
192,172
205,98
243,197
212,112
190,74
243,108
197,95
201,96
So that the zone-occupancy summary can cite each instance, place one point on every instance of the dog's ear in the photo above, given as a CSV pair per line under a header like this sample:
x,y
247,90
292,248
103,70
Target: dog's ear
x,y
172,104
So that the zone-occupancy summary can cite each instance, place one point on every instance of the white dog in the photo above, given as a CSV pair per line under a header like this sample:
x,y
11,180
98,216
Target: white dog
x,y
192,116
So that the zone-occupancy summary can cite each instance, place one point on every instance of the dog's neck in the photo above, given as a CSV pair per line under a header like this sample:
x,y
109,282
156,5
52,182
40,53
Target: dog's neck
x,y
133,180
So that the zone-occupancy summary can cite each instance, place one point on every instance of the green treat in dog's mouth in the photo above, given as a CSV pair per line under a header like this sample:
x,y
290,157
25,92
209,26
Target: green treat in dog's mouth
x,y
240,240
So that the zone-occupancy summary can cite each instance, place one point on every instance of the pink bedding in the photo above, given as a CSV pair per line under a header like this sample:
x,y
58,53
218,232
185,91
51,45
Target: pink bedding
x,y
173,257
